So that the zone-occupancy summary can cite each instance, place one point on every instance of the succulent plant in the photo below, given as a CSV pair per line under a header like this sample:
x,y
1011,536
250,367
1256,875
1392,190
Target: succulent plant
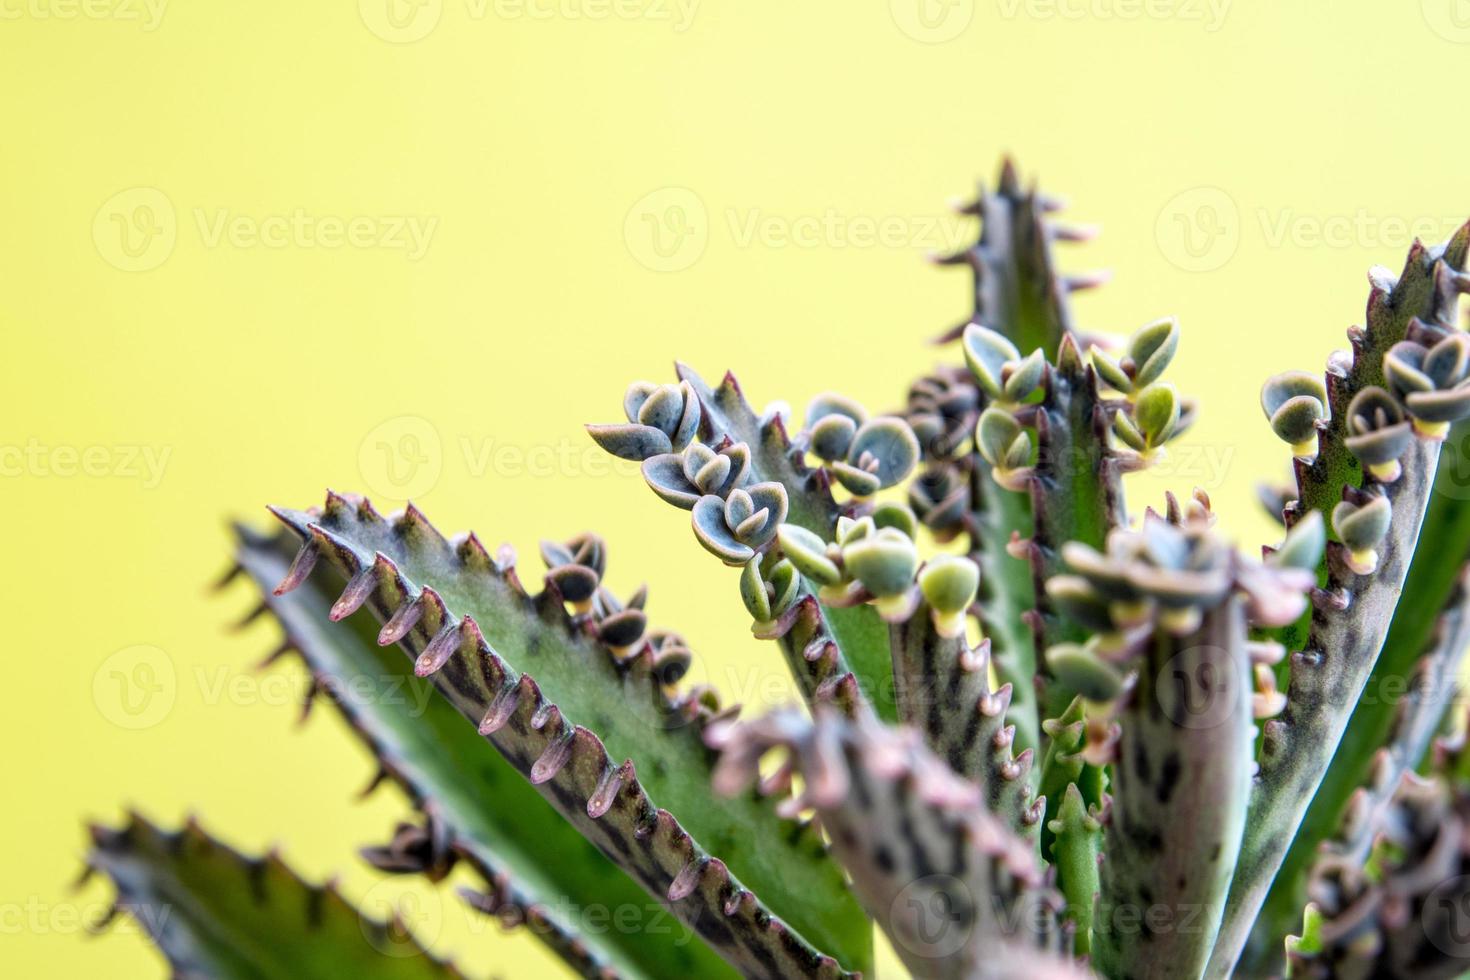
x,y
1038,738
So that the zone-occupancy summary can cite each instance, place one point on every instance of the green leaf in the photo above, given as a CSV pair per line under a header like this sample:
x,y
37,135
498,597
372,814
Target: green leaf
x,y
1425,632
959,894
494,819
216,913
560,707
1297,747
858,631
943,691
1076,492
1018,290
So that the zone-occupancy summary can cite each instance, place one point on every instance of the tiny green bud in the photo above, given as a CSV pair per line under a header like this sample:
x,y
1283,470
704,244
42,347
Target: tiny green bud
x,y
1377,432
1151,349
1001,439
1081,670
1294,402
831,436
884,562
808,553
987,353
1303,545
891,513
1434,383
1361,527
1156,414
949,583
1023,377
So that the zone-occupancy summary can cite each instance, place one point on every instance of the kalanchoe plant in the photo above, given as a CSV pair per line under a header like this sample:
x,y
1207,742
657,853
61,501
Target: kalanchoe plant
x,y
1040,739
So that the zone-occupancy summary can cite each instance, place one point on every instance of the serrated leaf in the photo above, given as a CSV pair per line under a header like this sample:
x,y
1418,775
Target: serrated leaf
x,y
1297,747
556,704
858,631
956,891
214,912
517,842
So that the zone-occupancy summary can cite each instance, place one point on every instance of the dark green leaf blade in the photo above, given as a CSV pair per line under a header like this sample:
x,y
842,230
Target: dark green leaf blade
x,y
217,913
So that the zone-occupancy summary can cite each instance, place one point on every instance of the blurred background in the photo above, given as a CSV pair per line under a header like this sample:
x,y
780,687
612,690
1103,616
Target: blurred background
x,y
407,247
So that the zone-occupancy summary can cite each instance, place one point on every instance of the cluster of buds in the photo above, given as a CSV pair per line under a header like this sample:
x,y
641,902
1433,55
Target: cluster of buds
x,y
1428,388
875,559
661,419
1149,414
1166,576
863,454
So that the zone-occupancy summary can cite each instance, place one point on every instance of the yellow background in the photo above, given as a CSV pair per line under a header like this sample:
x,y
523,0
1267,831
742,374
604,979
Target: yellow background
x,y
1292,141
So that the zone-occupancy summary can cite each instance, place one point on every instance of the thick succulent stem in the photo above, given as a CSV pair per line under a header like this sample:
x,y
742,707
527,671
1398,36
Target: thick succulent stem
x,y
1180,784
